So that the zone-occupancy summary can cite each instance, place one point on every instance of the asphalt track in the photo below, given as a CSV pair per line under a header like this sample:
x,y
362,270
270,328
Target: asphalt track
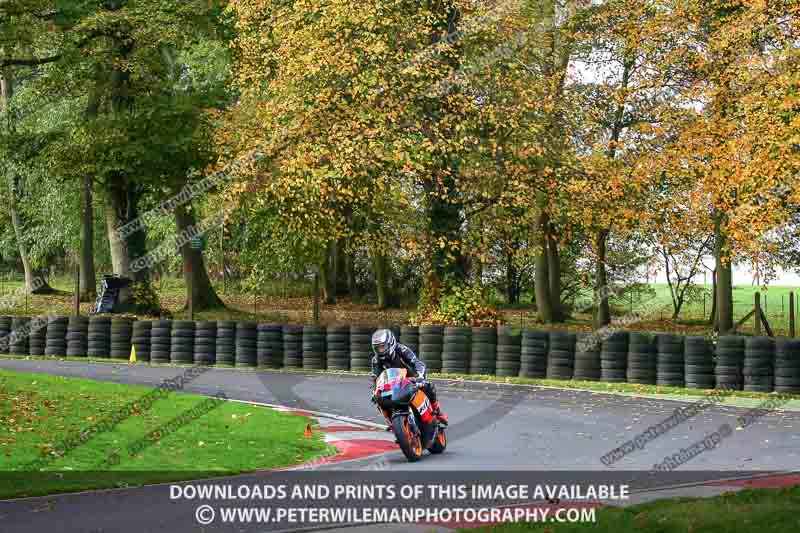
x,y
492,427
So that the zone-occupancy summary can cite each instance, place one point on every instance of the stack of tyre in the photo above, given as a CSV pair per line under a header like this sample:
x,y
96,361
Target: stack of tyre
x,y
160,341
5,330
18,339
431,346
587,357
483,351
361,348
670,362
292,346
269,348
787,366
121,335
140,339
77,336
455,350
314,347
560,355
99,337
614,357
182,346
509,351
642,359
56,336
699,363
337,347
759,362
205,343
729,362
409,336
37,338
246,344
225,352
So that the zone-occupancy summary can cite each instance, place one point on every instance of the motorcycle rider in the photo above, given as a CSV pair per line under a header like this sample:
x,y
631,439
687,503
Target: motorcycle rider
x,y
388,353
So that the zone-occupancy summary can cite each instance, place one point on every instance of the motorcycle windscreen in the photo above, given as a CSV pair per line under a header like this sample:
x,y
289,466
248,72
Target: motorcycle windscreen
x,y
388,378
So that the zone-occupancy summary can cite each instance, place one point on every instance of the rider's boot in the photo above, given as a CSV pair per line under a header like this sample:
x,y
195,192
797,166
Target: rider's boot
x,y
438,413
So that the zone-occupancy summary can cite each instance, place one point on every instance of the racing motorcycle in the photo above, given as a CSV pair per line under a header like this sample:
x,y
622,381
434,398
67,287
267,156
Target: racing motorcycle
x,y
408,412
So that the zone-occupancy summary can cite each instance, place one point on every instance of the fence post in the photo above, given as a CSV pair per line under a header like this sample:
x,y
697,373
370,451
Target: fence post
x,y
316,297
78,290
757,315
791,314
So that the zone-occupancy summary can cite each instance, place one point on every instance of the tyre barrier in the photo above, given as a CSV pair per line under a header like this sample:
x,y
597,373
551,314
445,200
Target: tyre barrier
x,y
225,353
181,350
37,338
455,350
269,345
759,362
246,344
160,341
121,335
670,364
698,363
293,346
560,355
614,357
409,336
205,343
642,359
56,335
787,365
18,338
77,336
587,357
431,345
5,331
140,339
509,351
99,335
361,347
337,347
314,347
729,362
483,351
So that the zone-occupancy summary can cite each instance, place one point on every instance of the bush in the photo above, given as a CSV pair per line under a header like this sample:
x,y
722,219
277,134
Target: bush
x,y
454,305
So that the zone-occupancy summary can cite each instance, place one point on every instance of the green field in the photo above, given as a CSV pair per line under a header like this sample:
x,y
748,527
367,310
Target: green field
x,y
747,511
40,412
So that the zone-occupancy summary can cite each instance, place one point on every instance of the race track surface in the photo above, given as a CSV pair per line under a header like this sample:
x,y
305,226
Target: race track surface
x,y
492,427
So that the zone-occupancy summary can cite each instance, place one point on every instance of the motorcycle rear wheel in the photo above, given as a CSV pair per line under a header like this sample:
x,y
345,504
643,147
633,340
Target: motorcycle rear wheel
x,y
409,442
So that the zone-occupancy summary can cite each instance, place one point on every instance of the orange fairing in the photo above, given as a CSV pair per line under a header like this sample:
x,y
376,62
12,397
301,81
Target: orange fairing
x,y
423,406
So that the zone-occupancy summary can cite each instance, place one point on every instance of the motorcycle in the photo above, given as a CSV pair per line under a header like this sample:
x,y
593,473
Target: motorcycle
x,y
408,412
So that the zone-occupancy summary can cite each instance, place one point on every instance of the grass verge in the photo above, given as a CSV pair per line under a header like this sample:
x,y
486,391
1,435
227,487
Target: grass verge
x,y
199,438
747,511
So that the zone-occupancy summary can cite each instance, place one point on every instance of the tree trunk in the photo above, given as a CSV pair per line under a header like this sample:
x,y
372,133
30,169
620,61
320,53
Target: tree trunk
x,y
327,273
34,280
351,274
512,287
724,289
541,280
194,268
88,281
381,283
712,318
554,277
602,313
122,209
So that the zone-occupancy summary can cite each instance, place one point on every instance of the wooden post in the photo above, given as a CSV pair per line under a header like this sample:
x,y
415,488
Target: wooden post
x,y
316,297
791,314
757,314
190,285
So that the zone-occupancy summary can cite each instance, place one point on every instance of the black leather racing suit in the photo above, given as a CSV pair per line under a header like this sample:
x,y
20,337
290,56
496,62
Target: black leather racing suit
x,y
405,358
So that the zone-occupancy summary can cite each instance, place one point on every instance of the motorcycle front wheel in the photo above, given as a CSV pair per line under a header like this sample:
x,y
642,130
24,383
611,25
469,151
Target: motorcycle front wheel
x,y
410,442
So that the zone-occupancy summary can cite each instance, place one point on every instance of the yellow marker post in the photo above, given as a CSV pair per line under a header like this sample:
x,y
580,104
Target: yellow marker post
x,y
133,354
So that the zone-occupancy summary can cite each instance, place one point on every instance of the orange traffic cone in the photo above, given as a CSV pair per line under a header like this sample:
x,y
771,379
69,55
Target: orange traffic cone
x,y
307,434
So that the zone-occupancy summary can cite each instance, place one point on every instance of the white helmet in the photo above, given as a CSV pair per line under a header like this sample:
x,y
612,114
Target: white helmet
x,y
384,345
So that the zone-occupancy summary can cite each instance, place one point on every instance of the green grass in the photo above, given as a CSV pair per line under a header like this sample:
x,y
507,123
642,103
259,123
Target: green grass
x,y
747,511
37,411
